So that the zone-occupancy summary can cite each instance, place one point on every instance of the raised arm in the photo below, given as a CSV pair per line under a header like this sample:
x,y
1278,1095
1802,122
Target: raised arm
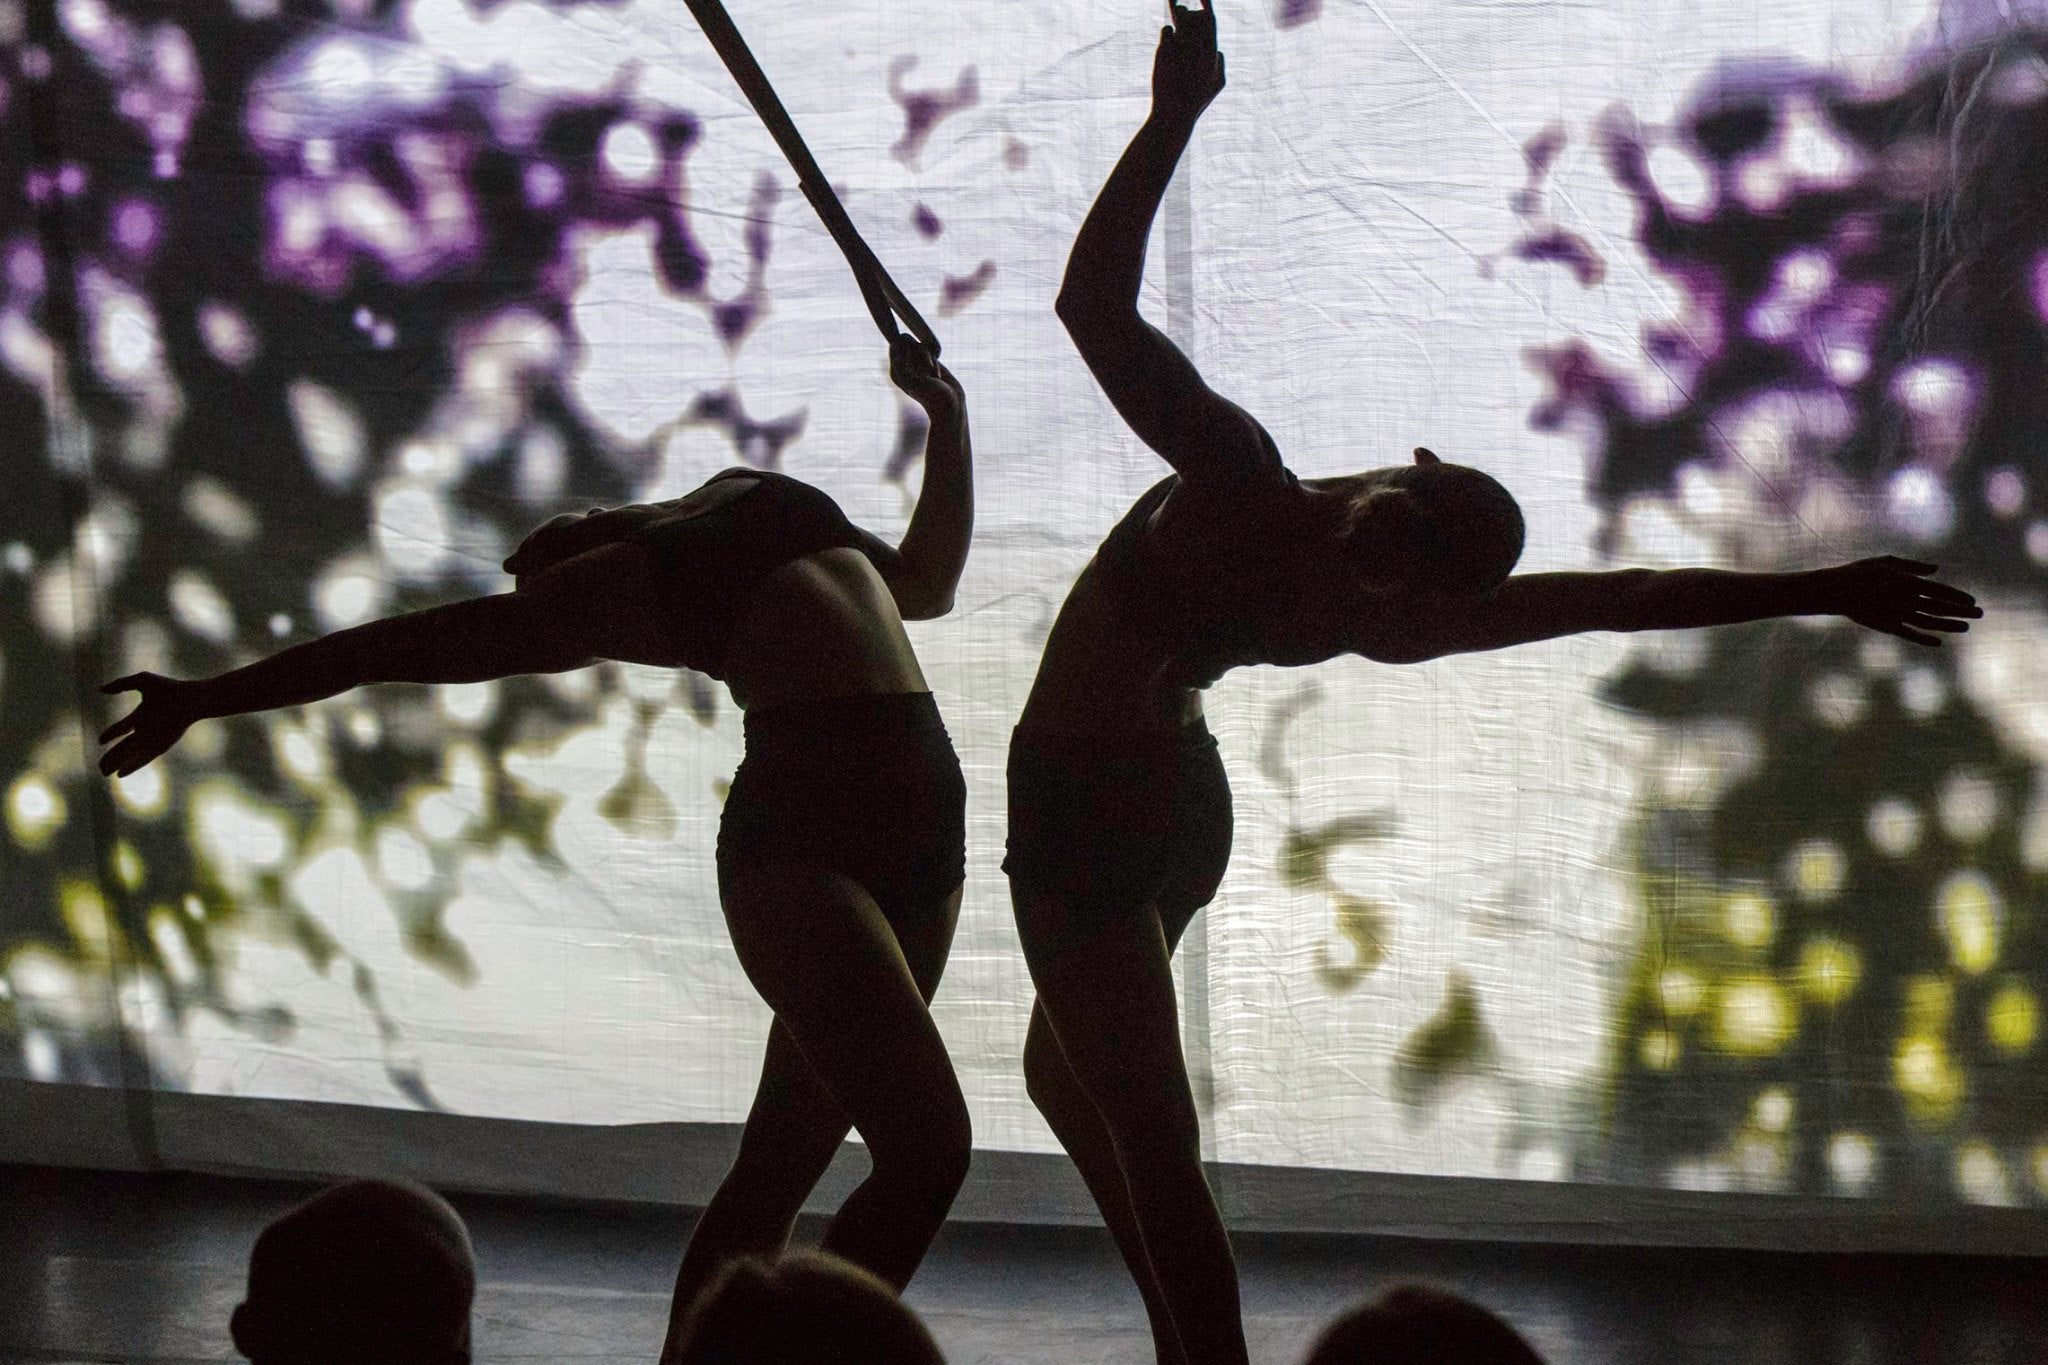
x,y
1153,386
927,565
1892,595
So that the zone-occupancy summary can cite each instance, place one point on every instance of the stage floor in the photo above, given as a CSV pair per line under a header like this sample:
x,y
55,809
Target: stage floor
x,y
113,1267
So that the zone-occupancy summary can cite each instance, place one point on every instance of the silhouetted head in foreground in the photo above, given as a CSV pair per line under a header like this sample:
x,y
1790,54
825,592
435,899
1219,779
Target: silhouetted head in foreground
x,y
1412,1324
365,1273
807,1308
1431,525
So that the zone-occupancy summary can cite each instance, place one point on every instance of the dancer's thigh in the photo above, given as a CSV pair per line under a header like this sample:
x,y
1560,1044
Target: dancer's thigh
x,y
826,960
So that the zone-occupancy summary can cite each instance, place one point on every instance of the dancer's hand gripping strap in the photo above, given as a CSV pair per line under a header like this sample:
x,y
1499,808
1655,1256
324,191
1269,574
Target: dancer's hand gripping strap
x,y
885,301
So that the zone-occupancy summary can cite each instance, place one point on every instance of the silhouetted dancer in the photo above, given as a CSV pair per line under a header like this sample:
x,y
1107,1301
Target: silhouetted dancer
x,y
364,1271
1120,816
842,846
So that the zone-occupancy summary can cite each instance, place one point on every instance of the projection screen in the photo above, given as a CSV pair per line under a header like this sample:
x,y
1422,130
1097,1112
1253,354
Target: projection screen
x,y
364,290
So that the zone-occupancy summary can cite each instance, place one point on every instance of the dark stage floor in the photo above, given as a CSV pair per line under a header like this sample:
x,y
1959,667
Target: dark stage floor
x,y
98,1267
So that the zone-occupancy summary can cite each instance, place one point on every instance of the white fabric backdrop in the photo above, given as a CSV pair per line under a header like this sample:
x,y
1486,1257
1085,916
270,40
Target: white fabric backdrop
x,y
1346,269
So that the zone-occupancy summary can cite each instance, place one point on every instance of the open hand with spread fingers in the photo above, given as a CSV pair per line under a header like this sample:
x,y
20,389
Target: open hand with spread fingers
x,y
1899,597
167,709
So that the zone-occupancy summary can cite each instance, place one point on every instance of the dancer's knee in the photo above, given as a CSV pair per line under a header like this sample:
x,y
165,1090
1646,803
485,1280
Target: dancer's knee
x,y
1165,1138
930,1152
1047,1080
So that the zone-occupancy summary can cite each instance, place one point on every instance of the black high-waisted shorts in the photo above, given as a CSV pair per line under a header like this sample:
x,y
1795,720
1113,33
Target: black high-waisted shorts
x,y
867,786
1110,825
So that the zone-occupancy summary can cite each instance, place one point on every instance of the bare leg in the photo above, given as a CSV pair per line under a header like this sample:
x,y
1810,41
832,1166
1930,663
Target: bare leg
x,y
1110,1006
829,964
793,1130
1077,1123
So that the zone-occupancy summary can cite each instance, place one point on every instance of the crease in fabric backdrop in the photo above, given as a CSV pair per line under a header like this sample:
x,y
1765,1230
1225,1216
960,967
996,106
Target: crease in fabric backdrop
x,y
365,291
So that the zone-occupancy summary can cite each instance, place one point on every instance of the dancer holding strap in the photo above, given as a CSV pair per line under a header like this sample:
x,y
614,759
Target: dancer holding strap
x,y
842,845
1120,815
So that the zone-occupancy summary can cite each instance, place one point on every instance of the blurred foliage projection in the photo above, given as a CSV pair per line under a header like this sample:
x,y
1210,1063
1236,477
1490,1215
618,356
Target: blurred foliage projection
x,y
1842,857
323,285
325,368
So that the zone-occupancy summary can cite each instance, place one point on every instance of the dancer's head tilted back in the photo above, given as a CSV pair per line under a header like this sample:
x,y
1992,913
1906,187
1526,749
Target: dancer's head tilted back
x,y
365,1271
1444,527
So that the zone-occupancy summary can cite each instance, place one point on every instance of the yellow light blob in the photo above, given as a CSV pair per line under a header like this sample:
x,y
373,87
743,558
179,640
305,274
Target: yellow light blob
x,y
301,755
2040,1164
440,816
1679,992
1968,912
1980,1176
1772,1112
1852,1162
1755,1018
1660,1050
1749,919
1816,869
85,915
172,948
128,865
1829,969
35,811
2012,1021
1928,1079
145,794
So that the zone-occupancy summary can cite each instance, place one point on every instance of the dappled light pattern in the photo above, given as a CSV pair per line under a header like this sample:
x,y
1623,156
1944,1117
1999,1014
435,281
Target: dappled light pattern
x,y
1841,860
328,280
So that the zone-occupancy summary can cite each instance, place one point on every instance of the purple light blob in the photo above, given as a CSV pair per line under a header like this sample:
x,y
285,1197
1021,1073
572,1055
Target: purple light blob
x,y
2005,492
1567,249
926,222
25,268
542,184
135,226
1294,13
960,290
922,109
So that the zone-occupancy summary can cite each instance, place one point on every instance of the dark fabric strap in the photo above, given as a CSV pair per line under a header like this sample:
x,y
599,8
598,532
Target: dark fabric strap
x,y
885,301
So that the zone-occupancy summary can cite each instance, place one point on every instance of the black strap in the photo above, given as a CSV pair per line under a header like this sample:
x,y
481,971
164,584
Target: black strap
x,y
885,301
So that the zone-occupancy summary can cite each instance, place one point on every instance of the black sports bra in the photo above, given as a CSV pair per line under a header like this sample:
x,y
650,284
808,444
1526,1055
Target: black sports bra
x,y
713,556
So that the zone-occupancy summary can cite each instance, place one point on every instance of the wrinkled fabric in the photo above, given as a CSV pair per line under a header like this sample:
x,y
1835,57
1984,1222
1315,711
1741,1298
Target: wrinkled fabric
x,y
359,300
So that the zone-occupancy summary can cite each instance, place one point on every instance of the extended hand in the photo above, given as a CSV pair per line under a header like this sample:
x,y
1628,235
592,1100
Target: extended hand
x,y
919,374
1897,597
1187,71
168,707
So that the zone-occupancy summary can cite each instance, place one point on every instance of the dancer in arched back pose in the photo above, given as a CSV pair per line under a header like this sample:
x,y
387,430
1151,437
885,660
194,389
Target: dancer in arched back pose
x,y
842,846
1120,817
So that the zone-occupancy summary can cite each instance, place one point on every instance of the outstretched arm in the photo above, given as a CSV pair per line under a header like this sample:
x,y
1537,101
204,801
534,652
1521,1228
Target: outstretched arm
x,y
927,565
1153,386
486,637
1893,595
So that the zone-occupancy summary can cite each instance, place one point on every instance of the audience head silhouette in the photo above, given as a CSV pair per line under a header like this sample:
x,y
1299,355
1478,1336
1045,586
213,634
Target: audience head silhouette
x,y
365,1273
1417,1325
807,1308
1445,526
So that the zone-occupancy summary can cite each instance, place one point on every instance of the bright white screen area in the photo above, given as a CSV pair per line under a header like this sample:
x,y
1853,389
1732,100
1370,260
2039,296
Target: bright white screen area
x,y
363,300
